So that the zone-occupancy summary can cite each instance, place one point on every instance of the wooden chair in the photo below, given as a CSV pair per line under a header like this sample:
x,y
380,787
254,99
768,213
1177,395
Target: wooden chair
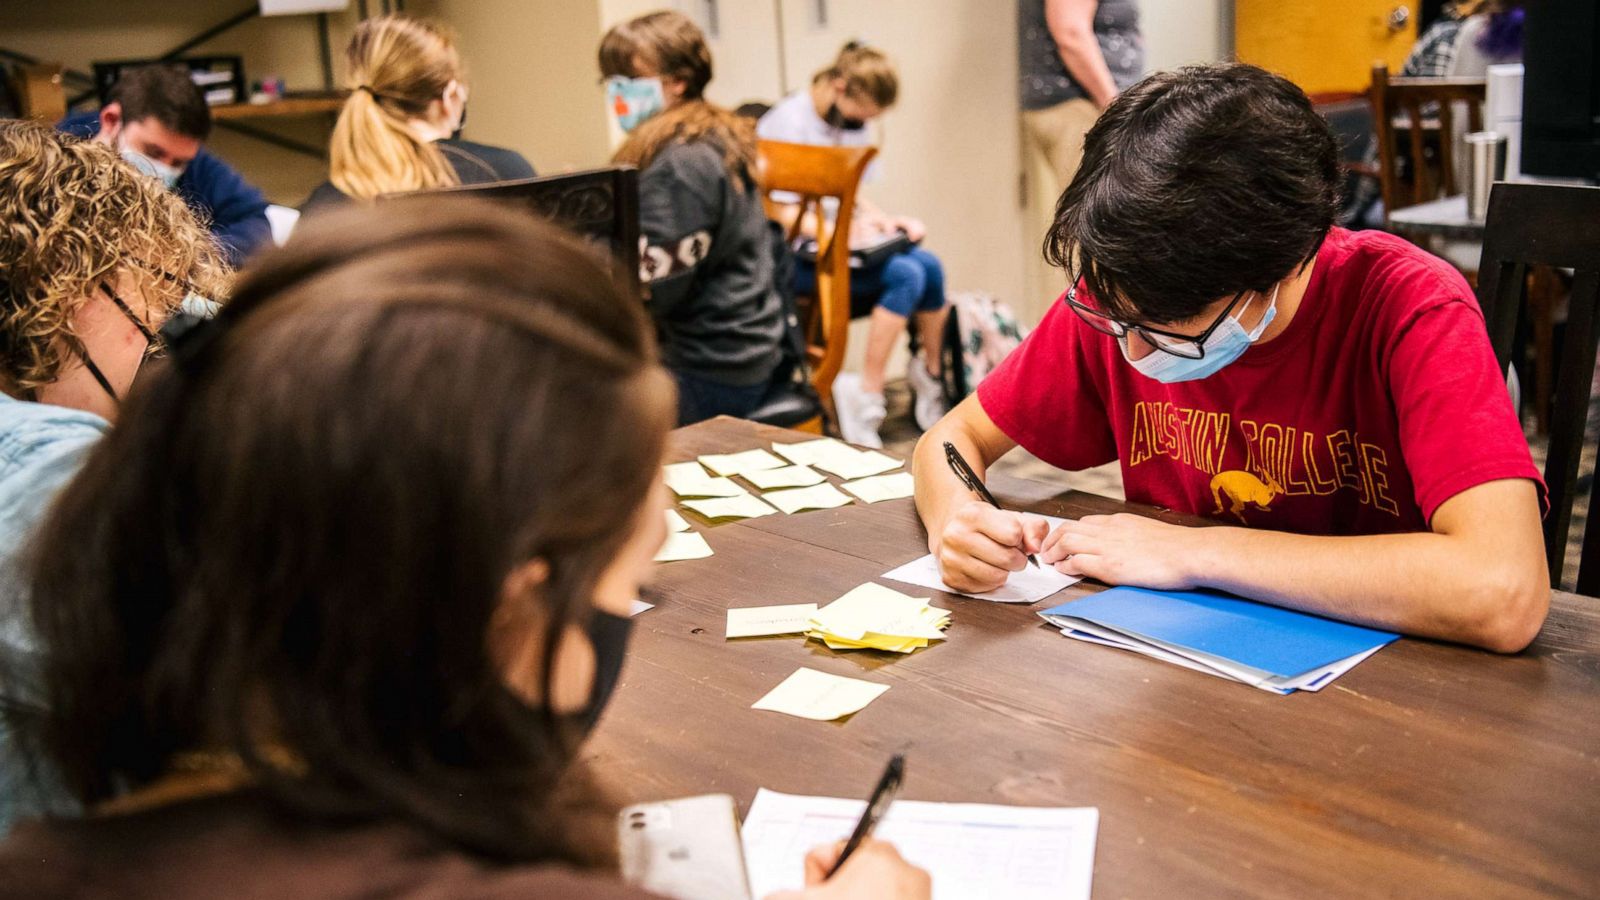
x,y
599,204
1549,225
816,174
1428,107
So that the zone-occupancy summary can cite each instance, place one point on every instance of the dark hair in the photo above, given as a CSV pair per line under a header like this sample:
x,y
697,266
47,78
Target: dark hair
x,y
163,92
1196,184
299,535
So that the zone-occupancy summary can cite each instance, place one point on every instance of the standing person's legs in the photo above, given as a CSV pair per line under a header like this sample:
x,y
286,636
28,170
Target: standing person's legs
x,y
1058,133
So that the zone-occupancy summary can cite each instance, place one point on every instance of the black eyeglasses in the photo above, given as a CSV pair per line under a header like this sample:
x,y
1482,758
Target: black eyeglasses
x,y
1184,345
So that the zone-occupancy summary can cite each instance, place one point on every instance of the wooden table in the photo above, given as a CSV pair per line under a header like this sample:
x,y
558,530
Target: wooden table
x,y
1428,770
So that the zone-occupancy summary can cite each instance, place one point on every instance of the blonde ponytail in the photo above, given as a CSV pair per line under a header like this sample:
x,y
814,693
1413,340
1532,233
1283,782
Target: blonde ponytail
x,y
398,66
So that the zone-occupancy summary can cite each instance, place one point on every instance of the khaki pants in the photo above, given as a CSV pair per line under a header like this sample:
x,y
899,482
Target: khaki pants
x,y
1057,132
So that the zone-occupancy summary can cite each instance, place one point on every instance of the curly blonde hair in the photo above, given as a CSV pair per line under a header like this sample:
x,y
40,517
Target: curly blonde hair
x,y
73,215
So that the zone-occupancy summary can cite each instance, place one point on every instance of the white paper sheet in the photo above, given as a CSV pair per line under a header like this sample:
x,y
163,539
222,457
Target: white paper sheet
x,y
971,850
1032,584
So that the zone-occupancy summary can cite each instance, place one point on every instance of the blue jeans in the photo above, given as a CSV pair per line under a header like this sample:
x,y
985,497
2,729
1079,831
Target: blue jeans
x,y
701,398
907,283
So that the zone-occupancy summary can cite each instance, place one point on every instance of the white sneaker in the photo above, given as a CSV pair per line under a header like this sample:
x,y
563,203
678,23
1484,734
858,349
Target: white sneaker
x,y
859,412
929,406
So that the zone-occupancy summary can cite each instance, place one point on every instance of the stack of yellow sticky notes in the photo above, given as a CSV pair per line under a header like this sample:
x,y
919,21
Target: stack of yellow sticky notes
x,y
873,617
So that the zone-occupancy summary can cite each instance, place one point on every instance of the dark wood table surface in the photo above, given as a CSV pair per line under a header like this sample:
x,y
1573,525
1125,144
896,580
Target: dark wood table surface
x,y
1428,770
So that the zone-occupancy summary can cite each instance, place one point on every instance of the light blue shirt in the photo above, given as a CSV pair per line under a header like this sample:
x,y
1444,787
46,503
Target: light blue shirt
x,y
41,448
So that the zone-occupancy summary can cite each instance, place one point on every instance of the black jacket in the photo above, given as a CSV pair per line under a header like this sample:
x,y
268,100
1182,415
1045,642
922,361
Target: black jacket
x,y
708,263
473,163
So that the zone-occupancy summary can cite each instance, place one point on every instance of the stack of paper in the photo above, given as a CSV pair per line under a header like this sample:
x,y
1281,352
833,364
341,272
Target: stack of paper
x,y
1268,647
873,617
970,849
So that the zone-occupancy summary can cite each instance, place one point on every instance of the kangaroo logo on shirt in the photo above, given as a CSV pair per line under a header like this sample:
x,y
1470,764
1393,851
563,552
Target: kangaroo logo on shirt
x,y
1240,488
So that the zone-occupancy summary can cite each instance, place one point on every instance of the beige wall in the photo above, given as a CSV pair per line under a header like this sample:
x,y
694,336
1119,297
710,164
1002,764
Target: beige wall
x,y
535,83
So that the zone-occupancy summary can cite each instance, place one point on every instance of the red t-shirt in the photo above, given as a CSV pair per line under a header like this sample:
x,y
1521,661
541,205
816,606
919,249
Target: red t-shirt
x,y
1379,401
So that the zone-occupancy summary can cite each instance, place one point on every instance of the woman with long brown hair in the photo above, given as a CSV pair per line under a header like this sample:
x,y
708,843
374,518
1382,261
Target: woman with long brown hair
x,y
399,129
330,611
708,256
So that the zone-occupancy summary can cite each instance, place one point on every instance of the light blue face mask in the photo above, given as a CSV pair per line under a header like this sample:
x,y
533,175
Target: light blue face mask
x,y
167,175
1225,345
634,101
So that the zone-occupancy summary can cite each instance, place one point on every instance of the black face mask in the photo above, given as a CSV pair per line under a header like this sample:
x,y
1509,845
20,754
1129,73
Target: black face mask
x,y
836,119
456,135
609,636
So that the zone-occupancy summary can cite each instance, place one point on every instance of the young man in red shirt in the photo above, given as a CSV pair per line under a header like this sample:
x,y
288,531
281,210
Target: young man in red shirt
x,y
1330,394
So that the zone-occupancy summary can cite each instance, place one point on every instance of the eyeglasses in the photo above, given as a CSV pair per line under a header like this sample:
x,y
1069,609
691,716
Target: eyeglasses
x,y
1184,345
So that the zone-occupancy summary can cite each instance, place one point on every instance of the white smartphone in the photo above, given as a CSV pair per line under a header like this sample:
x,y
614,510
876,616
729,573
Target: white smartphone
x,y
688,849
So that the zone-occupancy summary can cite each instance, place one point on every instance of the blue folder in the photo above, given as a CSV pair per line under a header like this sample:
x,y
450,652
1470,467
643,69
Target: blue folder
x,y
1269,638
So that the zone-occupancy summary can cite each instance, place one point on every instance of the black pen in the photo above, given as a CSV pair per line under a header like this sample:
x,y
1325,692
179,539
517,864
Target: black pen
x,y
882,796
958,465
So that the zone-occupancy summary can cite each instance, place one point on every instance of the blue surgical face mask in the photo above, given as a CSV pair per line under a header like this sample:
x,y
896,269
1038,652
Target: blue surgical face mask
x,y
1225,345
167,175
634,101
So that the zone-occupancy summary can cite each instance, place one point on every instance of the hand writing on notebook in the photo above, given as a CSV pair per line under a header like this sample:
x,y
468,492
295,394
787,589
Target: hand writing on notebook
x,y
1123,549
875,870
980,546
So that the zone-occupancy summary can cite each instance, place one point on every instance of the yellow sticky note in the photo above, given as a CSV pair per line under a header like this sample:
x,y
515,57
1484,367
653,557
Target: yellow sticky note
x,y
807,452
742,507
760,621
676,522
857,463
788,476
756,460
822,496
878,488
815,695
690,480
683,545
